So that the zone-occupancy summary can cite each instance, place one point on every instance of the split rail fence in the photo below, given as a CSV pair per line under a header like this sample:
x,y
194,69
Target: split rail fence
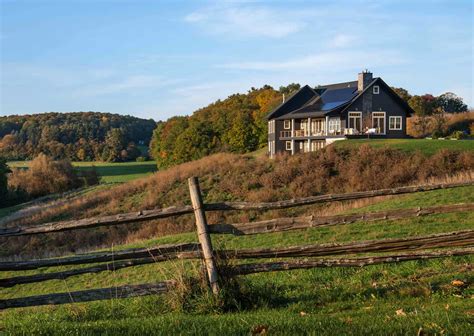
x,y
460,243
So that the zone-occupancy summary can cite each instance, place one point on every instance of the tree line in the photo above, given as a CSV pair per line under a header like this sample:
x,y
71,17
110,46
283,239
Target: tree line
x,y
77,136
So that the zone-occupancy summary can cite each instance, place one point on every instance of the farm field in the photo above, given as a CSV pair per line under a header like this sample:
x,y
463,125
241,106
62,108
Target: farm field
x,y
426,146
116,172
406,298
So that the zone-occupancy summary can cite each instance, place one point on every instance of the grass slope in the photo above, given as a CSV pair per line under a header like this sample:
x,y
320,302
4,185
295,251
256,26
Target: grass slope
x,y
110,172
330,301
426,146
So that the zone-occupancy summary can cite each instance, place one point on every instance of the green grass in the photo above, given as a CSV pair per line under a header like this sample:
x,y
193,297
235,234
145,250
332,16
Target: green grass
x,y
426,146
324,301
110,172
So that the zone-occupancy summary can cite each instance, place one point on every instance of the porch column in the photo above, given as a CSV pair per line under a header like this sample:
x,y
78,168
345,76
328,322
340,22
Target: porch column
x,y
309,145
309,127
327,125
292,128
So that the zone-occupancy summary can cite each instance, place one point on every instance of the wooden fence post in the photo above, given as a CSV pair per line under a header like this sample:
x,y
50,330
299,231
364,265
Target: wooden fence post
x,y
203,233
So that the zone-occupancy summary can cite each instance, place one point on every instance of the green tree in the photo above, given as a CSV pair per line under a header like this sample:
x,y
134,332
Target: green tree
x,y
451,103
196,141
403,93
115,141
4,171
242,136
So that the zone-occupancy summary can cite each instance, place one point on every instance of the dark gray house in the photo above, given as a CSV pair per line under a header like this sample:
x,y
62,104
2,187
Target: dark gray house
x,y
312,118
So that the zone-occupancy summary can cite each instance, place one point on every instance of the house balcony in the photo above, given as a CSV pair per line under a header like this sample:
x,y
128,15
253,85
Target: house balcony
x,y
298,134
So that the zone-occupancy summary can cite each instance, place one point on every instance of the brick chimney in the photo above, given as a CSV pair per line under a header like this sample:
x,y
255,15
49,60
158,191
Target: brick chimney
x,y
364,79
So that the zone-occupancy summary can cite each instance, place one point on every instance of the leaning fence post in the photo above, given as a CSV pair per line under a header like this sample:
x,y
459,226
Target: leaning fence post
x,y
203,232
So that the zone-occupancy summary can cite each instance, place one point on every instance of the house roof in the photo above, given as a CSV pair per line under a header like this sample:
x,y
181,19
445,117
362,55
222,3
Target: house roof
x,y
332,100
328,100
294,102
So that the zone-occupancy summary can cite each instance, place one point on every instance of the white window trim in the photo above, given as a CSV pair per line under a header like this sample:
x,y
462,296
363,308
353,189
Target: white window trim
x,y
376,89
395,128
359,115
285,124
288,148
384,121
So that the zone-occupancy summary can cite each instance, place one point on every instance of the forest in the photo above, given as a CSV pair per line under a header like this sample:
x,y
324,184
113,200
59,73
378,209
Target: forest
x,y
76,136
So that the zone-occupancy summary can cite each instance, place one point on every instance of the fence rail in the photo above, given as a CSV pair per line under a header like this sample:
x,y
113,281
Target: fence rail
x,y
174,211
402,249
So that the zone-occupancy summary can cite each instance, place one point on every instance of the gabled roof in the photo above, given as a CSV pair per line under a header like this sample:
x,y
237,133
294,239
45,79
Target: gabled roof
x,y
328,100
294,102
331,100
389,90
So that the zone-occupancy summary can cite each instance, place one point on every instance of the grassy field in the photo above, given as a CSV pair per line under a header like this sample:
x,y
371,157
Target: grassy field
x,y
426,146
110,172
406,298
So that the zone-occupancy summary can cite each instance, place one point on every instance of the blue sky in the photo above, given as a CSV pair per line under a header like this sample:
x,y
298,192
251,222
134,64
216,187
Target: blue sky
x,y
156,59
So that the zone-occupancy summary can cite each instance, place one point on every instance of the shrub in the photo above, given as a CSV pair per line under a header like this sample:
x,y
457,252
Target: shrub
x,y
45,176
457,135
141,159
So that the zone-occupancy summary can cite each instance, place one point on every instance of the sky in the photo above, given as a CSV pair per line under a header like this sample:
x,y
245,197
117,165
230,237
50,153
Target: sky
x,y
157,59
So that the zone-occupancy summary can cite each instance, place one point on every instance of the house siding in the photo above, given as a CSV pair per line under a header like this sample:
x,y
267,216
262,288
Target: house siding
x,y
383,102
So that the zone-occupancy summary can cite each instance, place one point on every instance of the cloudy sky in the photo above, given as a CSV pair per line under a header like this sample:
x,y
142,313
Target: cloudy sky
x,y
156,59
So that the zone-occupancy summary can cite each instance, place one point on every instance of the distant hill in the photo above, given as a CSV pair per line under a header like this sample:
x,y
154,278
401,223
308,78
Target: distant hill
x,y
78,136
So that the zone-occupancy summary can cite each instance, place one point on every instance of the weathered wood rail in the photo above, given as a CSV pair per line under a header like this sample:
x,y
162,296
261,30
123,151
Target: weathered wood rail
x,y
460,243
442,240
146,215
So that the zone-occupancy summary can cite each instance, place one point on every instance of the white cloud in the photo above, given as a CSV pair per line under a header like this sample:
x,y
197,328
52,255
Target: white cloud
x,y
247,21
342,41
323,61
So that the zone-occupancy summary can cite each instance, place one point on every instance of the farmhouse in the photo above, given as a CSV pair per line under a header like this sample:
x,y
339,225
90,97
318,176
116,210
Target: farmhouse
x,y
314,117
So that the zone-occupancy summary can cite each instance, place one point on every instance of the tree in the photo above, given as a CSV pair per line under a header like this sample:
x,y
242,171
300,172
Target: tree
x,y
242,135
290,88
403,93
439,122
4,171
451,103
423,105
196,141
115,142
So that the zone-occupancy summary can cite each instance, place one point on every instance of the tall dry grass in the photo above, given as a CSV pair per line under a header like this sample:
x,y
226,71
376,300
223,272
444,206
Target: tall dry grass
x,y
454,122
226,177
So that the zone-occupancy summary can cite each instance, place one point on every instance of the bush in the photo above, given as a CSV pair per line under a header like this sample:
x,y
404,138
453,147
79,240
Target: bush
x,y
45,176
457,135
141,159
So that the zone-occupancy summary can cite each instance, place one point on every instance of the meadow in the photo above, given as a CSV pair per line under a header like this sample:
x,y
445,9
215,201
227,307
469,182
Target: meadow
x,y
416,297
425,146
110,172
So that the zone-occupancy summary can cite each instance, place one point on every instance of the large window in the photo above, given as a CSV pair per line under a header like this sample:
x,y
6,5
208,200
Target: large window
x,y
271,127
317,144
287,124
395,123
334,125
355,121
288,145
378,122
317,126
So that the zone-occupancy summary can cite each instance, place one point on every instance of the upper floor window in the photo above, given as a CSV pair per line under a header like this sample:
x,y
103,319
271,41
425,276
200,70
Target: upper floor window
x,y
376,89
287,124
395,123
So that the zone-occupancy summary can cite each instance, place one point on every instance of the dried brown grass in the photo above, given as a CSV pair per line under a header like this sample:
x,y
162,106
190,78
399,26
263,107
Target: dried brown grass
x,y
226,177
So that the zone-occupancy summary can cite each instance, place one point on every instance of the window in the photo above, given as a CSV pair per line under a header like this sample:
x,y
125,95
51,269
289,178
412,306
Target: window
x,y
378,122
355,120
395,123
271,127
334,125
376,89
287,124
317,144
317,126
288,145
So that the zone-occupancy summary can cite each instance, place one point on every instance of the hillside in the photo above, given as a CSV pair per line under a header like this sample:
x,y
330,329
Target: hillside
x,y
406,298
78,136
226,177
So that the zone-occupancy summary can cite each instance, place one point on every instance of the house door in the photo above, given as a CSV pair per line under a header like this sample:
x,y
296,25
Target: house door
x,y
378,122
